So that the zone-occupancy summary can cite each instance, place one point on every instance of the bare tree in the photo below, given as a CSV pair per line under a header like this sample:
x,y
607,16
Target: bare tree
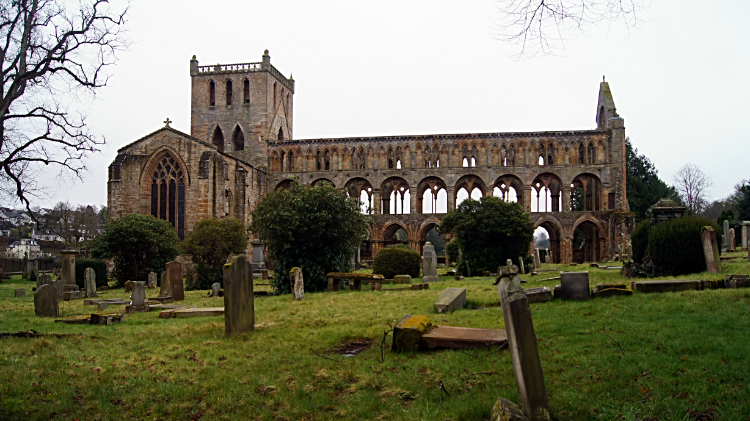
x,y
540,27
54,55
693,186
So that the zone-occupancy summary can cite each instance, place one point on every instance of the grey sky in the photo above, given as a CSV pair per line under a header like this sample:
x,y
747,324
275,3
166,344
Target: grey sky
x,y
420,67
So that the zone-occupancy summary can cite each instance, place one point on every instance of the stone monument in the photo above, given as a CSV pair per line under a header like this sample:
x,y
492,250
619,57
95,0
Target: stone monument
x,y
68,272
46,303
725,234
298,283
176,283
151,280
745,233
239,305
89,282
711,249
429,264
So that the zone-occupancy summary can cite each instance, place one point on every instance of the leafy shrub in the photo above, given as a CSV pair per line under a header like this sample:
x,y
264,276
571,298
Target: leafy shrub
x,y
211,243
672,248
33,275
100,271
207,276
452,250
392,261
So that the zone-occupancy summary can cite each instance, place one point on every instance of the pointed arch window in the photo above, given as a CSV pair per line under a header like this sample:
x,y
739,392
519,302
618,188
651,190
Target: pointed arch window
x,y
274,94
246,91
211,93
281,133
229,92
218,139
168,193
238,139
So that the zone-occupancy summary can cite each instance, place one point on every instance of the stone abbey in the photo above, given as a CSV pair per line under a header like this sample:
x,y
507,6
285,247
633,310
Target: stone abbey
x,y
241,146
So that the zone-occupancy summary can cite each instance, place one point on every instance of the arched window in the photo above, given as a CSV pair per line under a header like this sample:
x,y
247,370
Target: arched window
x,y
229,92
318,163
581,154
218,139
274,94
211,93
238,139
290,166
168,194
591,153
287,102
246,91
281,134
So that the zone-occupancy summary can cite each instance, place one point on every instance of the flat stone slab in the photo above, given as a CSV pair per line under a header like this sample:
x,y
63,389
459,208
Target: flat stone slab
x,y
106,318
539,295
611,292
75,320
167,314
72,295
667,286
451,299
162,307
162,300
198,312
136,309
463,337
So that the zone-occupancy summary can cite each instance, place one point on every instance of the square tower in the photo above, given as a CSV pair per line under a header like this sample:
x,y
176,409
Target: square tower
x,y
239,108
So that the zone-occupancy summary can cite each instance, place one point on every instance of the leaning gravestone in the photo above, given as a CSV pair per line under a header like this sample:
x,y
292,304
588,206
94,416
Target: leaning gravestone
x,y
215,289
89,281
520,265
575,286
522,343
537,260
725,233
46,302
151,280
711,249
138,296
451,299
429,264
239,305
298,283
176,282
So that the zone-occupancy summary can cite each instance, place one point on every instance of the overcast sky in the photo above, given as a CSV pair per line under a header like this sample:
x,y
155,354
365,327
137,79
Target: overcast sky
x,y
425,67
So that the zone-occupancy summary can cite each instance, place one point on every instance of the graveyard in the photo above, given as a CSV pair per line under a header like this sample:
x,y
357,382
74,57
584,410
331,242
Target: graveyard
x,y
647,356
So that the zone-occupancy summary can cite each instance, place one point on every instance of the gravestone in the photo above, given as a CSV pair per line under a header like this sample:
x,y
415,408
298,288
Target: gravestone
x,y
138,296
215,289
575,286
46,301
89,282
520,265
58,284
546,259
164,289
43,279
538,295
745,233
175,275
451,299
537,259
402,279
711,249
725,234
68,271
732,240
298,283
429,264
258,257
239,305
20,292
151,280
522,343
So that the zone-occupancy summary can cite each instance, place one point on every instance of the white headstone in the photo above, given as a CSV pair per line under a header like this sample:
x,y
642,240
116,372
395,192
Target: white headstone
x,y
429,264
138,296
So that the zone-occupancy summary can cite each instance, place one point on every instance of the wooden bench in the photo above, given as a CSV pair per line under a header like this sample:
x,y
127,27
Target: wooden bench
x,y
335,278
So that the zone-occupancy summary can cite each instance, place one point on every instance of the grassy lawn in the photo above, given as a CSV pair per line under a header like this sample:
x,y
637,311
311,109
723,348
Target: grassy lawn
x,y
671,356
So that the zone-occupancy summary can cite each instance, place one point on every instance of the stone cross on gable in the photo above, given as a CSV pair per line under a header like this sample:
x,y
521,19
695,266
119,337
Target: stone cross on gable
x,y
167,121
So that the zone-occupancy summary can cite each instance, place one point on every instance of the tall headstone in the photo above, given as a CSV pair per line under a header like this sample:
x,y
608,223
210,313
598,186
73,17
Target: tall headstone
x,y
151,280
164,290
522,343
745,233
537,259
68,272
46,301
60,288
575,286
239,305
138,296
176,283
25,267
520,265
298,283
429,264
732,240
711,249
258,258
725,233
89,282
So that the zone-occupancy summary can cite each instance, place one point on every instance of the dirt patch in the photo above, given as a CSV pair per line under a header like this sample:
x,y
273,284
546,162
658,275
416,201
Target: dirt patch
x,y
352,347
32,334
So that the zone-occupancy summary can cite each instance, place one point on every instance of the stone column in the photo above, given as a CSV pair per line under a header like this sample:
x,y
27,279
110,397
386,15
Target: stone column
x,y
528,191
451,198
68,272
239,304
376,200
339,156
413,201
522,344
413,156
565,192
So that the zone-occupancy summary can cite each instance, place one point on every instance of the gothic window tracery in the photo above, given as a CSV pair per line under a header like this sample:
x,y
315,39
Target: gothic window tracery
x,y
168,193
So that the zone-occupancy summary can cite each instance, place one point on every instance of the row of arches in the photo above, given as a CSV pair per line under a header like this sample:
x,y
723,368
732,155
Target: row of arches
x,y
238,139
433,196
432,156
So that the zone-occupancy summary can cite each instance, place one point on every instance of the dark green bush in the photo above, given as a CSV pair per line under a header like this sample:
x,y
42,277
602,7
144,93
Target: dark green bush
x,y
207,276
451,251
100,270
392,261
639,240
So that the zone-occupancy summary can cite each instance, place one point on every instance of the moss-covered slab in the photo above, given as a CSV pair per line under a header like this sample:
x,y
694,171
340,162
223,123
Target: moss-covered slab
x,y
407,334
667,286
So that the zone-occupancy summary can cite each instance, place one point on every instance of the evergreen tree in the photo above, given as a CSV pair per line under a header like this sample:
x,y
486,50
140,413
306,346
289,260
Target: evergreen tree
x,y
644,186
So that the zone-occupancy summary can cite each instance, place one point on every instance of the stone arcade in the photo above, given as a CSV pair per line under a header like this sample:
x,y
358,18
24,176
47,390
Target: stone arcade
x,y
241,146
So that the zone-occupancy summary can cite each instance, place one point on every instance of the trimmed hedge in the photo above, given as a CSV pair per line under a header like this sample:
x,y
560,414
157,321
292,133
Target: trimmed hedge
x,y
392,261
639,240
100,270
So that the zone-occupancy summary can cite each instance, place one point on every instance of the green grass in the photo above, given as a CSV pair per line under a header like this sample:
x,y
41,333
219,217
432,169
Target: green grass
x,y
671,356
